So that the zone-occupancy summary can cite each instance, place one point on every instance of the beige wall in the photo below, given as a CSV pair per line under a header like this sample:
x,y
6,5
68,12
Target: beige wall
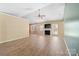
x,y
12,28
60,27
0,28
40,27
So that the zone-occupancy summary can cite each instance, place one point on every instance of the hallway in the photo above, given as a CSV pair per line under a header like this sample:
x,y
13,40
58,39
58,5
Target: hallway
x,y
35,45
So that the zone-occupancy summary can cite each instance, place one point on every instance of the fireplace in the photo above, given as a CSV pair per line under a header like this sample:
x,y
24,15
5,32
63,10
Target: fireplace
x,y
47,32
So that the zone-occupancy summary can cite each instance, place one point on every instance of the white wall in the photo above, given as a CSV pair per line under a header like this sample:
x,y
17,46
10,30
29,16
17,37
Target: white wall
x,y
12,28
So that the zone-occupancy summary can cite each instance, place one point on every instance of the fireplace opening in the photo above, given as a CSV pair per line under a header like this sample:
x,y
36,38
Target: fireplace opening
x,y
47,32
47,26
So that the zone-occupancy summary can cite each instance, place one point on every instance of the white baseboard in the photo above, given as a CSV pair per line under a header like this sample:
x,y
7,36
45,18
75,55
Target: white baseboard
x,y
67,48
12,39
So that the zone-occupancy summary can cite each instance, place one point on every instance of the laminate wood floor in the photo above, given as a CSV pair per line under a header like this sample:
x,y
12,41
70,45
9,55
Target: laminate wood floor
x,y
35,45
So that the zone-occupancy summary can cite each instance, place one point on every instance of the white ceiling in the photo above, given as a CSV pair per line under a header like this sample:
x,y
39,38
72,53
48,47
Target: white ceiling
x,y
29,11
53,11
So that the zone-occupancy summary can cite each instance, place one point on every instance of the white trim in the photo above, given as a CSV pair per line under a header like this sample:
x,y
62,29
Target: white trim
x,y
11,40
67,48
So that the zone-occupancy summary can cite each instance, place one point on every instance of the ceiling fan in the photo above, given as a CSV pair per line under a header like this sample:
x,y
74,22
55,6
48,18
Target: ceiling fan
x,y
40,15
